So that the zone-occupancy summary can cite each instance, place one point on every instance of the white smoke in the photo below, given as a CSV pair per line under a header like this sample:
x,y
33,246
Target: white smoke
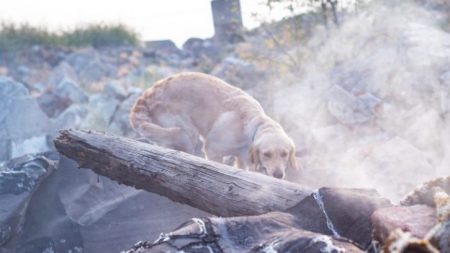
x,y
370,107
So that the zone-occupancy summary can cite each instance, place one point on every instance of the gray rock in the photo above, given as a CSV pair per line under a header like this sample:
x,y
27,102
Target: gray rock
x,y
202,48
72,117
47,227
74,208
94,71
120,122
238,72
340,212
56,99
19,179
115,90
68,89
353,109
161,47
104,106
23,125
89,66
416,219
60,72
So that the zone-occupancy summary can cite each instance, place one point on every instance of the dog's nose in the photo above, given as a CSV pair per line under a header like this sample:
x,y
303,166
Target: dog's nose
x,y
278,174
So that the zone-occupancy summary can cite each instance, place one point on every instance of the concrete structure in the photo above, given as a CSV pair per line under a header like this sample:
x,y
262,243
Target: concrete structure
x,y
227,20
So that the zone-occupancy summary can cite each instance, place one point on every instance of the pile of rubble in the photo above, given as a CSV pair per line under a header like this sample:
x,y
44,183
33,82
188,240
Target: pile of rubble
x,y
43,90
329,220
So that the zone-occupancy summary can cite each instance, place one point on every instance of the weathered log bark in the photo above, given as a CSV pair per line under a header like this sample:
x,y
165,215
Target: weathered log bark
x,y
213,187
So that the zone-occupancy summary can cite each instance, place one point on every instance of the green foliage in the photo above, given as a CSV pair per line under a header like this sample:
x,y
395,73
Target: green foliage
x,y
100,35
16,37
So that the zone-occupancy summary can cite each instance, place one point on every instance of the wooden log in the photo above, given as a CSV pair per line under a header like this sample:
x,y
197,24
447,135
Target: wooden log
x,y
213,187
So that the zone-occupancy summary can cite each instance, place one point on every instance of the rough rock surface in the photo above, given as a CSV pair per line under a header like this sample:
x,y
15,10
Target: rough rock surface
x,y
19,179
416,219
23,125
424,193
55,100
89,66
78,211
238,72
342,213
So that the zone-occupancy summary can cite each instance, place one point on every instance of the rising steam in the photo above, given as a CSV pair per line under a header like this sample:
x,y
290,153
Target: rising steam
x,y
370,108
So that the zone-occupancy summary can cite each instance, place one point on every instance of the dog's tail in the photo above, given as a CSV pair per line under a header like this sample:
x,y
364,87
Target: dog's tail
x,y
141,121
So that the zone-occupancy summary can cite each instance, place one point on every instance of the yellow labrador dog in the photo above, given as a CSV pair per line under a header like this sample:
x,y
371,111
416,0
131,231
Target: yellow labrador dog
x,y
193,112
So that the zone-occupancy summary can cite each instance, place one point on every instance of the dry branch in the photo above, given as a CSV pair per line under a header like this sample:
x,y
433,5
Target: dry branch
x,y
216,188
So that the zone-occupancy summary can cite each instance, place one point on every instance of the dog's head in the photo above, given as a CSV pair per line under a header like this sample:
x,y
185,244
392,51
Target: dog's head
x,y
273,154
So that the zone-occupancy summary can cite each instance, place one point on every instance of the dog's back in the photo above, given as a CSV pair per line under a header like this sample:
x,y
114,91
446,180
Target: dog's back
x,y
179,109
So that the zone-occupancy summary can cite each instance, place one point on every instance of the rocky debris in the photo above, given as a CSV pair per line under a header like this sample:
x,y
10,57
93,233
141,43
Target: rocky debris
x,y
164,52
416,227
238,72
351,109
162,47
101,111
30,76
330,220
19,179
120,123
61,72
72,209
115,90
89,66
271,232
72,117
197,47
202,53
342,213
424,194
54,100
416,220
23,125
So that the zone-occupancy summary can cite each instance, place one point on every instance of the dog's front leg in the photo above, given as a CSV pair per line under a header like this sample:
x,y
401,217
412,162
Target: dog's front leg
x,y
243,161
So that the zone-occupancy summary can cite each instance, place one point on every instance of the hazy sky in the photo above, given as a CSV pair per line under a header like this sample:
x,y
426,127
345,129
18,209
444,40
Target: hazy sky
x,y
153,19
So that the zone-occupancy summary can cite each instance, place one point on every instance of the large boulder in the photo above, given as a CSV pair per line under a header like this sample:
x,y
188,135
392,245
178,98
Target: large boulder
x,y
120,122
238,72
61,72
338,212
89,66
418,220
73,117
101,109
23,125
19,179
351,109
78,211
54,100
162,47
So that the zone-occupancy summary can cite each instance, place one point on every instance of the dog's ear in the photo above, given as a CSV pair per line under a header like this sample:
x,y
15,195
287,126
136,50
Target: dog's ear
x,y
254,158
292,164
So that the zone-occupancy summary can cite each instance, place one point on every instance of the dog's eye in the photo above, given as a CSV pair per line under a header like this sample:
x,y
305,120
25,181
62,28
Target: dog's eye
x,y
267,154
283,154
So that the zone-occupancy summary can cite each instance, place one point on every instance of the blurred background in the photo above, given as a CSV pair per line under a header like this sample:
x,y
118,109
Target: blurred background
x,y
361,86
